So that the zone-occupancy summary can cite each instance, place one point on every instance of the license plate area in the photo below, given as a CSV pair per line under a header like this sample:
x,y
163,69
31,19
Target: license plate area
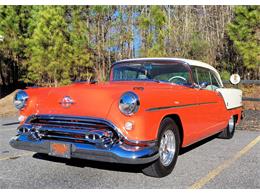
x,y
60,150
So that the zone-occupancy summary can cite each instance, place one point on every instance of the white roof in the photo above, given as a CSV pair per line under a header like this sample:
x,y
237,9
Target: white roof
x,y
188,61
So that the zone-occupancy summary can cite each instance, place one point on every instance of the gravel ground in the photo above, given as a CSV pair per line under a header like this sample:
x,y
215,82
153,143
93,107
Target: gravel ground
x,y
251,121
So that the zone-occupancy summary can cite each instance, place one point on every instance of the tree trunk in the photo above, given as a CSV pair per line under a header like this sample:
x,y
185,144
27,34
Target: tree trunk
x,y
1,74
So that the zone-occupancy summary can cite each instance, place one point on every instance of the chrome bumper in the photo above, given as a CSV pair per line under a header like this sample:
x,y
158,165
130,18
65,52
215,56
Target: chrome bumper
x,y
117,153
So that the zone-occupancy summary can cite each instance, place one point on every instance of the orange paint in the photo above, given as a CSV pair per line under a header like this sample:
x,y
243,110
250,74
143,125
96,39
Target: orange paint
x,y
202,112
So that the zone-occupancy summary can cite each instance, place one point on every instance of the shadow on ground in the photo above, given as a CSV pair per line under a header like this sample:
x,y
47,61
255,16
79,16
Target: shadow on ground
x,y
110,166
196,145
9,124
93,164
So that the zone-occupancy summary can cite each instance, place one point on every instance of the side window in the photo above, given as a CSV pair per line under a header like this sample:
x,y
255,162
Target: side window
x,y
203,76
125,75
194,74
215,83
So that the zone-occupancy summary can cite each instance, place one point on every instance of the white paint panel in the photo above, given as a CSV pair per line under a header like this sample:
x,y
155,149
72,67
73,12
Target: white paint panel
x,y
232,97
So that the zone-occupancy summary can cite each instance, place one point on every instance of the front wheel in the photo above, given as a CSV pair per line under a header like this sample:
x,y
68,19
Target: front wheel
x,y
229,131
169,146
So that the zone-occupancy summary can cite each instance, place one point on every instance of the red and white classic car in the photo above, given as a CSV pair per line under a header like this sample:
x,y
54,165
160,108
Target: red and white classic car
x,y
146,112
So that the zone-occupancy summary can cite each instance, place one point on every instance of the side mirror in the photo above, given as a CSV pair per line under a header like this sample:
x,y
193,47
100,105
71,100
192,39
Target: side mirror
x,y
203,85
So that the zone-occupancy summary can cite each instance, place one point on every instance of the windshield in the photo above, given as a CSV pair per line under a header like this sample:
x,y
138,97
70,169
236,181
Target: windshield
x,y
164,72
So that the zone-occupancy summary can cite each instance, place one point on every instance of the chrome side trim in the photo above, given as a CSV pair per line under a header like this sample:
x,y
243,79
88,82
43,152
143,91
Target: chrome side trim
x,y
235,108
178,106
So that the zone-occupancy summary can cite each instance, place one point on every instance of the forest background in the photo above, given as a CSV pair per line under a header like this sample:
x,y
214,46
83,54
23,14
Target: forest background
x,y
57,45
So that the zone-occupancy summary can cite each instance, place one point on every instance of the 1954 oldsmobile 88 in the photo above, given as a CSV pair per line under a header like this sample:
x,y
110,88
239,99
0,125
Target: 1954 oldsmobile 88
x,y
150,108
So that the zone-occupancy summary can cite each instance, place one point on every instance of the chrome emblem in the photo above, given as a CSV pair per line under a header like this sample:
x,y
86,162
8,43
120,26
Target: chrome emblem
x,y
66,102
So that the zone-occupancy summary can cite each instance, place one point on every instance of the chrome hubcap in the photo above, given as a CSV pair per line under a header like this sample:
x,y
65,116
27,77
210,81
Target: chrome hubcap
x,y
231,124
167,147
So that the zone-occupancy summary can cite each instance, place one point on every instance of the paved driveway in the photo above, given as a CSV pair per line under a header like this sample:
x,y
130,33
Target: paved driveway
x,y
213,163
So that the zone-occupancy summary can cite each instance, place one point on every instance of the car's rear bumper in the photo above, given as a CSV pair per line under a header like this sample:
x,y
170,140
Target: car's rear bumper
x,y
117,153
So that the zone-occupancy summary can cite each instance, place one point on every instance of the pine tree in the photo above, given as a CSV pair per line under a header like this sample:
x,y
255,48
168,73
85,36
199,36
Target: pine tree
x,y
81,56
53,45
158,33
14,30
152,24
244,32
48,48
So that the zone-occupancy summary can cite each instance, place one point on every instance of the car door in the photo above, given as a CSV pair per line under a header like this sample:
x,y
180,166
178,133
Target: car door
x,y
209,101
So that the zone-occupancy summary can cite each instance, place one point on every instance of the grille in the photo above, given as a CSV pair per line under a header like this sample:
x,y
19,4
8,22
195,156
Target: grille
x,y
73,129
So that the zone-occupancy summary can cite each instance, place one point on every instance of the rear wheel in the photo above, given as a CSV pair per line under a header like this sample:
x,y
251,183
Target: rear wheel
x,y
229,130
169,145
